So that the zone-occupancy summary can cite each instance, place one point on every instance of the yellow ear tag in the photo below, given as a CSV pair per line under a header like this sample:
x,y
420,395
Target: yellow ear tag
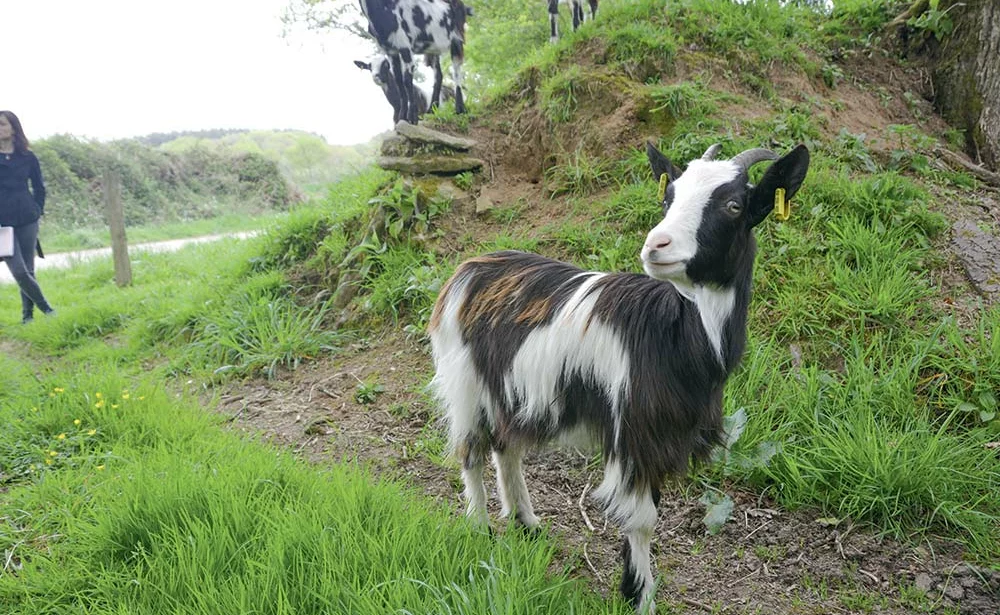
x,y
782,208
662,194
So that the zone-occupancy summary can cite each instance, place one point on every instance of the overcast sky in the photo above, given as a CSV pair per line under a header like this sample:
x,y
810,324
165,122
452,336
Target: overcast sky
x,y
109,69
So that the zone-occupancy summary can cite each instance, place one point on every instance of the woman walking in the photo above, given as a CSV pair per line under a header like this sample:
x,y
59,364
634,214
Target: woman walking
x,y
21,209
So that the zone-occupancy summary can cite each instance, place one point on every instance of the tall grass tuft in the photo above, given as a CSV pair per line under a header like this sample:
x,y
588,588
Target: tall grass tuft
x,y
160,512
259,329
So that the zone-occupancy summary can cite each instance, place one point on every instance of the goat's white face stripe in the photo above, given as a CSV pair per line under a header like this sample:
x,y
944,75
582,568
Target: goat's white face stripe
x,y
692,192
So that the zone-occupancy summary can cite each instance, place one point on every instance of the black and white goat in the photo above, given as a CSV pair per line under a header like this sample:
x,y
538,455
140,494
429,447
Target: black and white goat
x,y
527,349
576,9
381,68
405,28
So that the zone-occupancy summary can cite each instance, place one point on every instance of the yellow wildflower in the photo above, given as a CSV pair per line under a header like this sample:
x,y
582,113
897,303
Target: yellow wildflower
x,y
100,467
34,409
91,432
61,436
99,404
142,397
125,395
98,395
76,422
58,389
114,405
53,453
48,462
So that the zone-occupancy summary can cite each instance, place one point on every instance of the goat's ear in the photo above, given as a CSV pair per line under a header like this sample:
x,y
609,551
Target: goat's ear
x,y
362,65
787,172
660,163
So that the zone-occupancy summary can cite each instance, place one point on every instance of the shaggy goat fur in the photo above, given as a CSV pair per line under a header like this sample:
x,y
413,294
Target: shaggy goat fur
x,y
527,348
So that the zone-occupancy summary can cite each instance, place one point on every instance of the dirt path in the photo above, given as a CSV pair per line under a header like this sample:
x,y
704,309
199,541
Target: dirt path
x,y
766,559
63,260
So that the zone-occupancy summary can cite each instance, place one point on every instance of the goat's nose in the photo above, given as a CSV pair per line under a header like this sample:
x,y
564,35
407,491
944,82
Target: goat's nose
x,y
658,241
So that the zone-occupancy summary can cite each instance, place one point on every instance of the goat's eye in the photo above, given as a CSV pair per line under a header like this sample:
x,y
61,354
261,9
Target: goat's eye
x,y
734,208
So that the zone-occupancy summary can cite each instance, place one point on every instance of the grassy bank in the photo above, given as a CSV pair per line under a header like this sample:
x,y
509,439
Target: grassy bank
x,y
869,388
127,498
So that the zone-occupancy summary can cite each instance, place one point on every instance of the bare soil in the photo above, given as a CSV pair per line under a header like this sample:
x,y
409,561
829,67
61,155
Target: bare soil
x,y
765,560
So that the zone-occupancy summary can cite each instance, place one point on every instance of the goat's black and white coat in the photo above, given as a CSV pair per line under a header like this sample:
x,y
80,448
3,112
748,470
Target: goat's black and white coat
x,y
405,28
576,9
381,69
527,348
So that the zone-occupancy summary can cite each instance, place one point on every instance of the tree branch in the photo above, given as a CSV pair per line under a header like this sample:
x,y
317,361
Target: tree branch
x,y
916,9
983,175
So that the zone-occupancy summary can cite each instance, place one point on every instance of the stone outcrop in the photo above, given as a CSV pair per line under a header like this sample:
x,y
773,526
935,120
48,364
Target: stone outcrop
x,y
429,164
418,150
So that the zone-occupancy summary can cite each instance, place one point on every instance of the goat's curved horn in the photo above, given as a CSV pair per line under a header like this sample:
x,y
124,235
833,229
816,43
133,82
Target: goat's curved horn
x,y
711,152
747,159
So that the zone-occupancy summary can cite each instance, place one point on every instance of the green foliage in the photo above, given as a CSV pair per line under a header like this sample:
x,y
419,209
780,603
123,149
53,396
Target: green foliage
x,y
934,21
403,281
912,148
156,186
304,158
578,174
465,180
560,93
850,149
684,99
368,391
148,507
832,75
963,371
259,328
642,48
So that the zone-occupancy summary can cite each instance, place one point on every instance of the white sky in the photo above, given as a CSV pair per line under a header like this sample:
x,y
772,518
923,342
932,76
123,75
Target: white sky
x,y
109,69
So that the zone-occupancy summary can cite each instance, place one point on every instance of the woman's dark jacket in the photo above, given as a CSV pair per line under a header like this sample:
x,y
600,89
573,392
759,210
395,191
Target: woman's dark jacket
x,y
18,206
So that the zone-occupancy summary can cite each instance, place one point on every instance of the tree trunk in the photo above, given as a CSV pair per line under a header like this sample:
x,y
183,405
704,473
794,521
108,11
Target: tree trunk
x,y
965,72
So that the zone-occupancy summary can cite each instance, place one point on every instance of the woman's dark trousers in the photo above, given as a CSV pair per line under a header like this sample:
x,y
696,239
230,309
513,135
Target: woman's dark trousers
x,y
22,267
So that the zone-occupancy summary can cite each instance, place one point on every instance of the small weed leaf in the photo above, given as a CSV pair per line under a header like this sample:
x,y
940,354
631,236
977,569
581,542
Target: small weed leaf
x,y
762,456
734,425
368,391
718,508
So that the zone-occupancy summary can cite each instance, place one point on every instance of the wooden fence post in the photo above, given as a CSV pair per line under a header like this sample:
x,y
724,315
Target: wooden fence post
x,y
116,222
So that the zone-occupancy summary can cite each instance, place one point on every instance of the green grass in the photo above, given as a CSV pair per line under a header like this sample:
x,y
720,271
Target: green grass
x,y
128,499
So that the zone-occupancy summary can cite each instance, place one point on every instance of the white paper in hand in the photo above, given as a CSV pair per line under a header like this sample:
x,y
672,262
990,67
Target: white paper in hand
x,y
6,241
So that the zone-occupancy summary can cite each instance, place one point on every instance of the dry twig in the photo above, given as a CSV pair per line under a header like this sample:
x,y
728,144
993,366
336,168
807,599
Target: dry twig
x,y
583,510
698,605
589,563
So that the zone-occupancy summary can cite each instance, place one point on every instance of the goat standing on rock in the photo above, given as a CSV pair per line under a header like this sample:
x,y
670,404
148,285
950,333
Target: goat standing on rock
x,y
527,349
404,28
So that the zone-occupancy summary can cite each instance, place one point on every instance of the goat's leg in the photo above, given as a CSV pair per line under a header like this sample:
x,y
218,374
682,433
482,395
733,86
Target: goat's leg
x,y
577,7
435,63
632,504
593,10
397,75
637,574
553,21
411,105
472,453
513,490
457,58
